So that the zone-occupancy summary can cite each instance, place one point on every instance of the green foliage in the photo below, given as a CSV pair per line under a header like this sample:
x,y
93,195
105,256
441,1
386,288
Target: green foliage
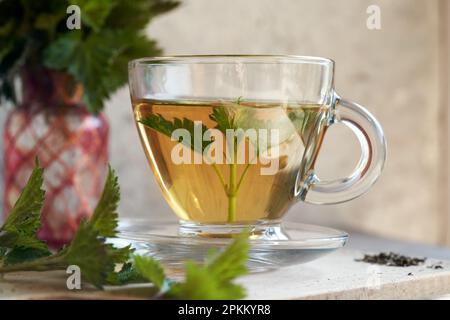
x,y
94,13
231,262
304,120
211,280
127,274
21,250
151,270
223,119
105,217
238,116
158,123
214,279
229,117
35,33
233,116
89,252
18,232
22,254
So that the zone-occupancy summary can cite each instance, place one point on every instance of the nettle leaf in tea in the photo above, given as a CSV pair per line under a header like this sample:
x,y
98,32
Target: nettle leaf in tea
x,y
195,142
214,160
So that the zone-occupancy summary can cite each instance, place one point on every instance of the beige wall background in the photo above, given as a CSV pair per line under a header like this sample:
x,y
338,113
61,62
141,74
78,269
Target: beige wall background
x,y
400,73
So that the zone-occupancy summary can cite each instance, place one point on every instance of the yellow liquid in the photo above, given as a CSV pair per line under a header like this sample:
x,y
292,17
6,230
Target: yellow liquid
x,y
233,192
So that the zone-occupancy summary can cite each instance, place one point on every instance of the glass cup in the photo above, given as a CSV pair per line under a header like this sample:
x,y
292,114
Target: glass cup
x,y
233,140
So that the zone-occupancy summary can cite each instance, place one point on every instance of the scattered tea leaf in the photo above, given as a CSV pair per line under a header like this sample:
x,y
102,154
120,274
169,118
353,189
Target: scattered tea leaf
x,y
392,259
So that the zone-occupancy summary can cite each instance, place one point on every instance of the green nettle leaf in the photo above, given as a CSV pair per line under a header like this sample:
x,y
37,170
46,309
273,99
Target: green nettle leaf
x,y
242,118
151,270
22,223
119,255
24,217
233,116
20,250
87,60
136,46
88,249
142,12
99,61
49,21
304,120
89,252
223,118
158,7
213,280
127,274
59,55
200,284
94,12
18,240
231,262
23,254
34,33
90,64
166,127
105,217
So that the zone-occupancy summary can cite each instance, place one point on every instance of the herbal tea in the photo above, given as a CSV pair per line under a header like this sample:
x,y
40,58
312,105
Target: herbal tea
x,y
229,162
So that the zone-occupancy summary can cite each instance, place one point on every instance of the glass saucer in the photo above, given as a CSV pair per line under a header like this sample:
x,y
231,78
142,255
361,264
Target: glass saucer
x,y
161,240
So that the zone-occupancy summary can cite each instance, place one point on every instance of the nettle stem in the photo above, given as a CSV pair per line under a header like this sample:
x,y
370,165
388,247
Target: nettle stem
x,y
55,262
232,188
233,183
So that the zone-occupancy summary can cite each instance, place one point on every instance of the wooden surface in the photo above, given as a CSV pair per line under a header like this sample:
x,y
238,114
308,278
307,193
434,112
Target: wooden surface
x,y
336,276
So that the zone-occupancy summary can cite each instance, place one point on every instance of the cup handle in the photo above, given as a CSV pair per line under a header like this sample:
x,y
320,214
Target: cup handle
x,y
373,155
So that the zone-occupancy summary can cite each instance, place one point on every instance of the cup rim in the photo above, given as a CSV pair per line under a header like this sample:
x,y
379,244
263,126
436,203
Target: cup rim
x,y
231,59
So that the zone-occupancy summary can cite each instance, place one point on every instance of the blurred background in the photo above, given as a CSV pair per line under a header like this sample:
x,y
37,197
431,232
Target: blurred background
x,y
399,72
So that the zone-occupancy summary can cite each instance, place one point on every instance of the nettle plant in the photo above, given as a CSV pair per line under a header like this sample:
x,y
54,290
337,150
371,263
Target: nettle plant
x,y
235,122
102,263
233,118
35,34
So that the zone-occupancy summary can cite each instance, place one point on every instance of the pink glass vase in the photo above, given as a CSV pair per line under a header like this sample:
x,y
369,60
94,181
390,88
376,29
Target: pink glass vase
x,y
71,144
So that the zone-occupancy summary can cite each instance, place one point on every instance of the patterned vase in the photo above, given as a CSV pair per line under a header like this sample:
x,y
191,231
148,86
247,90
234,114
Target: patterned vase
x,y
51,123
